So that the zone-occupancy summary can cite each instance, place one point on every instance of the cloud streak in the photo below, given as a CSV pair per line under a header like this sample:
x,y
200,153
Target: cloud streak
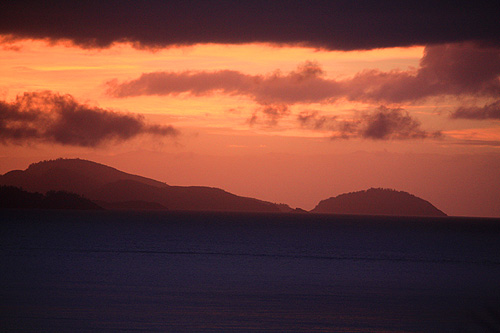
x,y
465,69
488,111
340,25
315,121
380,124
50,117
305,84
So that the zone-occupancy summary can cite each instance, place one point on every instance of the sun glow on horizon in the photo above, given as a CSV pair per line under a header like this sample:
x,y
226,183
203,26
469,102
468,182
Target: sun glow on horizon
x,y
257,114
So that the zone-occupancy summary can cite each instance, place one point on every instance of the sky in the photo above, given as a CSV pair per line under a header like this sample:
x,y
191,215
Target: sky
x,y
286,101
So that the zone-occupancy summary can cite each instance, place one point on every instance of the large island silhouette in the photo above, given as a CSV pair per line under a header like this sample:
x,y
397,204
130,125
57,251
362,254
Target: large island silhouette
x,y
113,189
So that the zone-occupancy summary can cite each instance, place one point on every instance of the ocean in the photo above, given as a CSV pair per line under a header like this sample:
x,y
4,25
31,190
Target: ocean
x,y
67,271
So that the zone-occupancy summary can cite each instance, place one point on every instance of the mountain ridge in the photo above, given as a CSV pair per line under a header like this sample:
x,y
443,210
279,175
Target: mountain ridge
x,y
99,182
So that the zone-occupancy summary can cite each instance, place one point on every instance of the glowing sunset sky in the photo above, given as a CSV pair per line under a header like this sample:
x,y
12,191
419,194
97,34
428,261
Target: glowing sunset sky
x,y
289,102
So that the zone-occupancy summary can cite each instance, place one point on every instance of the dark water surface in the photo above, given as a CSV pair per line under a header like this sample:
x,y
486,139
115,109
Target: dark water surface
x,y
151,271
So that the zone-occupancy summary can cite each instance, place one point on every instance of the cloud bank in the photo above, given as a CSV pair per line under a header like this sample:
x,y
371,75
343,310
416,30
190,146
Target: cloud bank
x,y
464,69
380,124
50,117
339,25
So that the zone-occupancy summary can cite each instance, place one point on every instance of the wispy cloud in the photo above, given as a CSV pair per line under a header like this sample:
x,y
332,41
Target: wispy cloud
x,y
271,113
380,124
315,121
51,117
488,111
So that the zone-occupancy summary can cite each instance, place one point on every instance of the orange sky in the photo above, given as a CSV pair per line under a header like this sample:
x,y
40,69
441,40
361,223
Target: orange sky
x,y
267,130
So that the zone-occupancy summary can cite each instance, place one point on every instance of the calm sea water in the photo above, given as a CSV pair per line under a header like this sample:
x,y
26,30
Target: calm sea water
x,y
152,271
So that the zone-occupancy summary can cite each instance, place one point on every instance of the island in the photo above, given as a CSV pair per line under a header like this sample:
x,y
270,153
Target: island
x,y
114,189
378,201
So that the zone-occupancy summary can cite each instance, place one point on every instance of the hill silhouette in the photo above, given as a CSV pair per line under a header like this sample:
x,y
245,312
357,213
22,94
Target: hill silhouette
x,y
73,175
14,197
118,190
378,201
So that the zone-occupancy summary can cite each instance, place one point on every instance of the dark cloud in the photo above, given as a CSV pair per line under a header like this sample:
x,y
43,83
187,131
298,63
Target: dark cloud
x,y
341,25
381,124
465,69
489,111
451,69
50,117
385,124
